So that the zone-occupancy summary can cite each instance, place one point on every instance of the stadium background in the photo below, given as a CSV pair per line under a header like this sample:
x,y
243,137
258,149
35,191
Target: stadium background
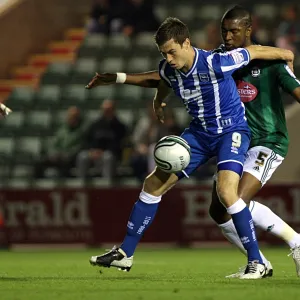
x,y
48,56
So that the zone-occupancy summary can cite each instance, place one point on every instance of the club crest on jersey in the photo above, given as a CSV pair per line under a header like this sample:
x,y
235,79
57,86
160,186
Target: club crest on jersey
x,y
203,77
247,91
255,72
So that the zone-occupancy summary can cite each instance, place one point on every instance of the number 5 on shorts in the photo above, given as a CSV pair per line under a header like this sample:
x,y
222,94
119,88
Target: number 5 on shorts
x,y
236,140
261,158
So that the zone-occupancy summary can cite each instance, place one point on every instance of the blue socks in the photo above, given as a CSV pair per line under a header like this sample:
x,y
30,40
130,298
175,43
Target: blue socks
x,y
140,219
243,223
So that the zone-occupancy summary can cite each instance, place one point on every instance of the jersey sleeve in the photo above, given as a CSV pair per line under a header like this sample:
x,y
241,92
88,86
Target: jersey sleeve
x,y
226,63
286,78
163,72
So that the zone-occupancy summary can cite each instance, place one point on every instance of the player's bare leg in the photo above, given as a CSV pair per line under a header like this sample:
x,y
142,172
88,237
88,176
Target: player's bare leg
x,y
263,218
223,219
227,189
142,215
267,220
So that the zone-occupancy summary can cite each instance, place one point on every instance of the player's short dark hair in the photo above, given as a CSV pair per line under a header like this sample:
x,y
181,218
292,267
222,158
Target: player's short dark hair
x,y
171,28
238,13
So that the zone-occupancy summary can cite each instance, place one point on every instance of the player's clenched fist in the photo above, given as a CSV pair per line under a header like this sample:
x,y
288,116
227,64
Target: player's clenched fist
x,y
159,111
102,79
4,110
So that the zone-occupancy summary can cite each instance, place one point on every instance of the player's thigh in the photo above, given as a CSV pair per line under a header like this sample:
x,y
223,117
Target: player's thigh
x,y
249,186
199,154
232,148
159,182
261,162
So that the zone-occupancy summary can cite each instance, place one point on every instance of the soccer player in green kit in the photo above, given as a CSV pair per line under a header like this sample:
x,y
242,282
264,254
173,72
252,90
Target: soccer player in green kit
x,y
259,86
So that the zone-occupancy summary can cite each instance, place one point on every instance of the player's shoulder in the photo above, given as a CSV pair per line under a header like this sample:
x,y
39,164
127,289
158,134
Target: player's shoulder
x,y
220,49
202,52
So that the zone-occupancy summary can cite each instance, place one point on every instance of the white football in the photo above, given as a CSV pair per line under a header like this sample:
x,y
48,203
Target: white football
x,y
172,154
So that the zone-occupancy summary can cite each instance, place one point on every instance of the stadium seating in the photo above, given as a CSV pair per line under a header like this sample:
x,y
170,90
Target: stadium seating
x,y
63,72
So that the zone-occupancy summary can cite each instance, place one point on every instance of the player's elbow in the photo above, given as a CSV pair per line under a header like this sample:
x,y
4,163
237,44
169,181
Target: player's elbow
x,y
289,55
292,55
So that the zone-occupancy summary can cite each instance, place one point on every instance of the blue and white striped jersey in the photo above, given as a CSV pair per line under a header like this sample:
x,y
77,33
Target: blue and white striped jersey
x,y
208,91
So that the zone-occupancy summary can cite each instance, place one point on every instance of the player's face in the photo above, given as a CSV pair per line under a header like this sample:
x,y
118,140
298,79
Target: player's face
x,y
175,54
235,34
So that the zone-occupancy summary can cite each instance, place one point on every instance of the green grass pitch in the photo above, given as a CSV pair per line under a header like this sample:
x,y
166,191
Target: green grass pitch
x,y
156,274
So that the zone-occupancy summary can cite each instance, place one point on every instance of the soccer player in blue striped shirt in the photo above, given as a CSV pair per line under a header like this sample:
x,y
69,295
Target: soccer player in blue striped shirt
x,y
202,79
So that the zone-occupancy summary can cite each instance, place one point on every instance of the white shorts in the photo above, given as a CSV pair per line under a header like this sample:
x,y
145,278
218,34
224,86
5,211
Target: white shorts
x,y
261,162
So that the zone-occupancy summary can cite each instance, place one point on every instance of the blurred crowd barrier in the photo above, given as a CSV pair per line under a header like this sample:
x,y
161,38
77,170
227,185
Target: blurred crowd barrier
x,y
84,216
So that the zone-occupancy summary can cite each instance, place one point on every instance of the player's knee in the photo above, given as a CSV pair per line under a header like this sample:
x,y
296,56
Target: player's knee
x,y
227,195
158,182
227,187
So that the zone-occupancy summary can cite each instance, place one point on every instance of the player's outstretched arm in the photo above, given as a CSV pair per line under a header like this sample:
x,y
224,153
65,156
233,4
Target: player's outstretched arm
x,y
270,53
161,94
148,79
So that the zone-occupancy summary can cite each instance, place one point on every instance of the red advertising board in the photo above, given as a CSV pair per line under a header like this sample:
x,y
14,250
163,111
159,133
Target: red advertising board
x,y
95,216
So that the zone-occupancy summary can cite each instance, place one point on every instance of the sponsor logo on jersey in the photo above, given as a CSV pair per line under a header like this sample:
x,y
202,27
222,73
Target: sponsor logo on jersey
x,y
130,225
247,91
256,168
234,150
245,240
255,72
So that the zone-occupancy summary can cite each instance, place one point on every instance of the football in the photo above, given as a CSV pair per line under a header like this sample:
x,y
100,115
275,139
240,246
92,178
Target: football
x,y
172,154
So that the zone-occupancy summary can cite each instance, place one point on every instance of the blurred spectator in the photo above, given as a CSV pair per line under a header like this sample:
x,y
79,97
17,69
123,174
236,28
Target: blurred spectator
x,y
213,37
99,17
139,17
103,143
122,16
66,144
289,29
147,132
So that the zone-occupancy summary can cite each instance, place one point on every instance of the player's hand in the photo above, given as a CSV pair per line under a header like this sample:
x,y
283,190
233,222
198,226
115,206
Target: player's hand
x,y
4,110
102,79
159,111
